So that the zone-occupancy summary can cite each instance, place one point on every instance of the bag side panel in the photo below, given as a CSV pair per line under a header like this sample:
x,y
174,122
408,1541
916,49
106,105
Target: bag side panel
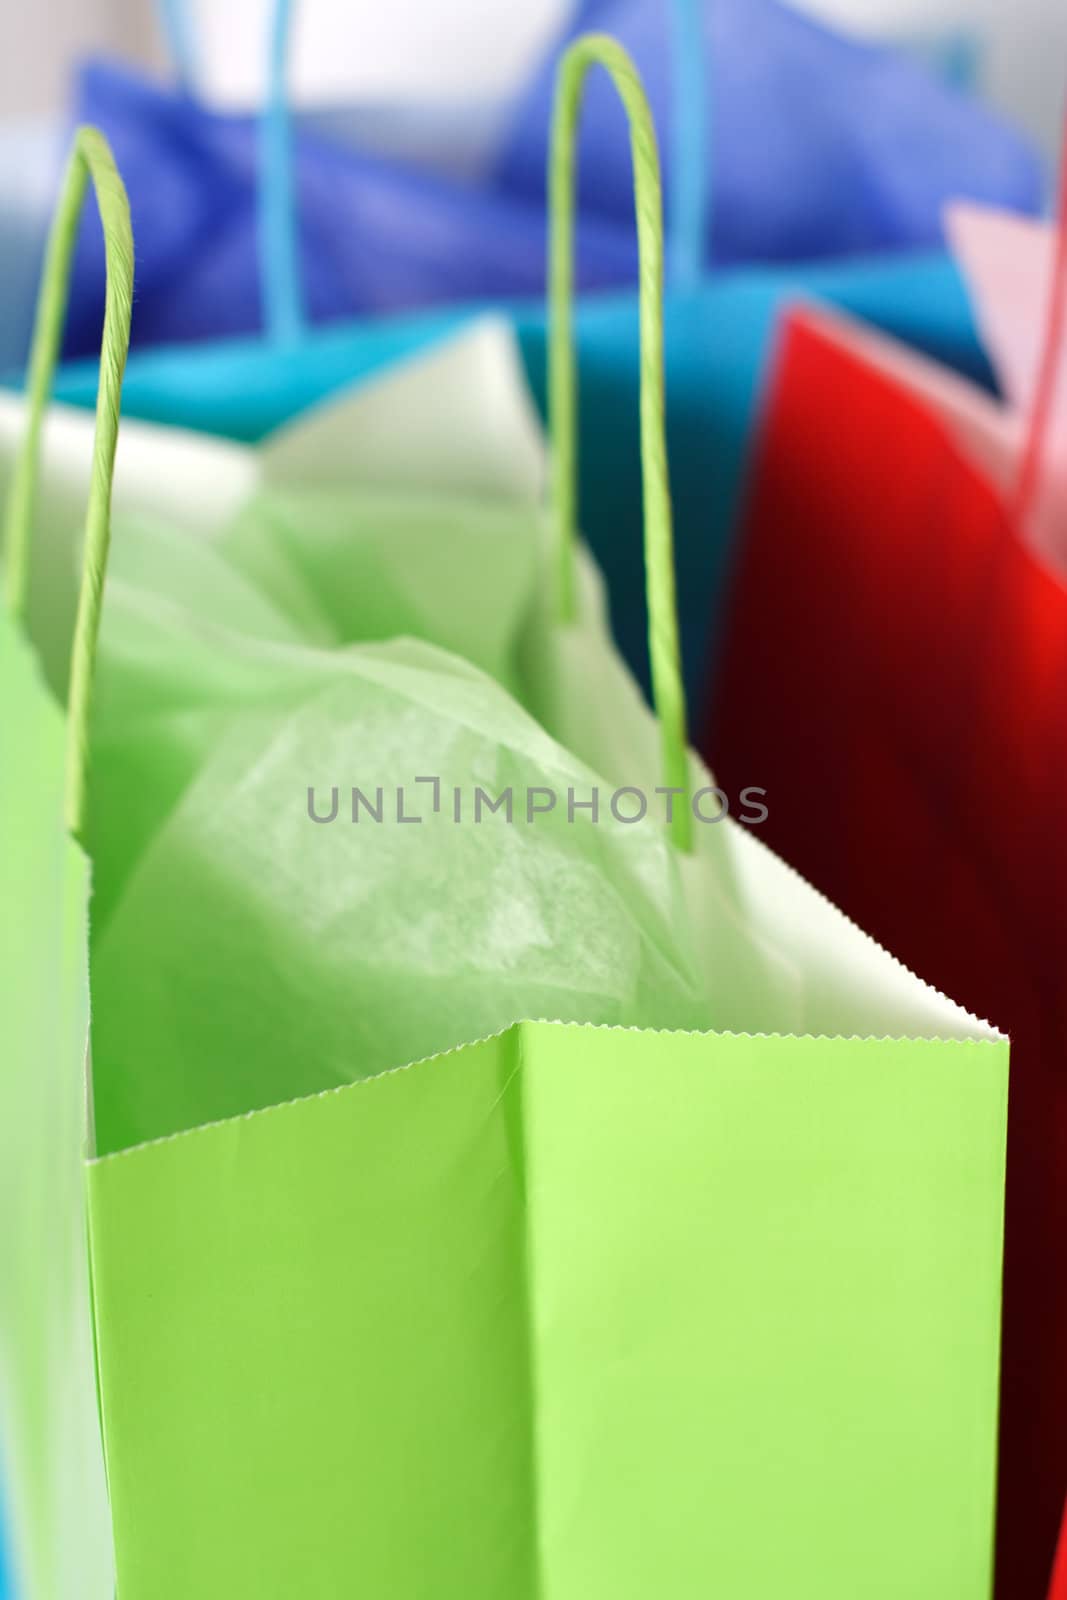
x,y
312,1334
765,1276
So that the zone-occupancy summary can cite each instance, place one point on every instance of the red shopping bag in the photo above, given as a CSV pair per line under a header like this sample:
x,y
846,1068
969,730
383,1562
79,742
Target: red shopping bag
x,y
895,676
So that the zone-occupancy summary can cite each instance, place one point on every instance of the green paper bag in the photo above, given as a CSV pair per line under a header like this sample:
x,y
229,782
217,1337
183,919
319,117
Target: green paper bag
x,y
703,1301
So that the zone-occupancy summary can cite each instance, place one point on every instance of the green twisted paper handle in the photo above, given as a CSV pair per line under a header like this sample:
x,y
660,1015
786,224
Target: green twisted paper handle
x,y
668,693
90,159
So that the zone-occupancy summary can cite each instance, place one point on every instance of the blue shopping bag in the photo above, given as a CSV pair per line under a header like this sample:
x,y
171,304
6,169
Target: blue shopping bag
x,y
816,144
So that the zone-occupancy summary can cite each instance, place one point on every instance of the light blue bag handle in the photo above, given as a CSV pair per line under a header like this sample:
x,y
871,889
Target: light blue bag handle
x,y
279,235
690,175
284,311
278,243
175,25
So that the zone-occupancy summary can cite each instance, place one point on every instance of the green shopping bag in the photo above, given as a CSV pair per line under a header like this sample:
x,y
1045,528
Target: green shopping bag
x,y
569,1309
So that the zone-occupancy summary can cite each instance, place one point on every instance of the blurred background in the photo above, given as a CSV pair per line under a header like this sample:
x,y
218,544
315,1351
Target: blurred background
x,y
1015,54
